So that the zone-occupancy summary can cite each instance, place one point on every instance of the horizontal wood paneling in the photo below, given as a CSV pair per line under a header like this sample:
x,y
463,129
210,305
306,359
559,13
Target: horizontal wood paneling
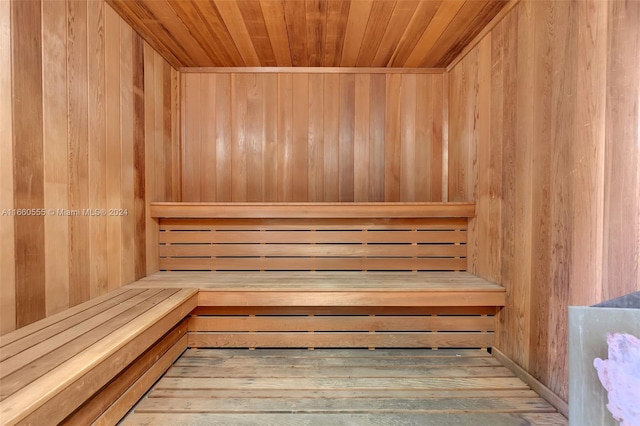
x,y
313,33
74,139
544,138
338,137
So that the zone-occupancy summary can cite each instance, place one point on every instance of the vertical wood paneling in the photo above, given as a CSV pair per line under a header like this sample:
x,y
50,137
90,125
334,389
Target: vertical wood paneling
x,y
97,147
77,99
139,159
316,137
346,125
377,105
393,117
547,107
300,125
331,113
621,265
114,147
313,137
361,155
126,154
28,160
270,116
7,241
56,172
77,127
149,154
255,139
223,136
285,136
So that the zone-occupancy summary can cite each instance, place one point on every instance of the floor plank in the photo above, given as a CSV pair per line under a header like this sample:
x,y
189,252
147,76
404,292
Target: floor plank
x,y
341,387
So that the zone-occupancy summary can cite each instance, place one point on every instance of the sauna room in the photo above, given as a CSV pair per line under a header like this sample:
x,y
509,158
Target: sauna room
x,y
318,212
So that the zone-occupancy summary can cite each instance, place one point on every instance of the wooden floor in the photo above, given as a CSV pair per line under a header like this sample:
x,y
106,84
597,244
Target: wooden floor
x,y
341,387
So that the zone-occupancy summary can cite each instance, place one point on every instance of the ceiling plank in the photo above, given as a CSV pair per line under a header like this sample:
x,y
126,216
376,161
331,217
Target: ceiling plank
x,y
441,21
484,19
233,20
254,21
337,16
175,55
273,13
417,26
379,19
316,11
356,26
402,14
163,12
220,37
295,16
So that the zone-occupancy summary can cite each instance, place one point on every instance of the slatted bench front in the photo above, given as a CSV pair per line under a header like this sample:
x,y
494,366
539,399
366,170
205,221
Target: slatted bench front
x,y
91,363
326,275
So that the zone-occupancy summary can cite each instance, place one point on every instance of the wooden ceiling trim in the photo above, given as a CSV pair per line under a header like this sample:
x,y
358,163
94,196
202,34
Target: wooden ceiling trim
x,y
399,22
417,26
312,70
295,16
273,13
337,17
441,20
234,22
356,27
485,30
376,27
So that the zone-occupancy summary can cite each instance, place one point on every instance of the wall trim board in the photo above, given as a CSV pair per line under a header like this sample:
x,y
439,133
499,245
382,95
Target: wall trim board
x,y
313,70
482,34
546,393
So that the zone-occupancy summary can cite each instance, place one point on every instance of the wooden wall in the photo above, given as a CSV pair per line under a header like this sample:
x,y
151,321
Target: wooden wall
x,y
544,136
88,104
312,137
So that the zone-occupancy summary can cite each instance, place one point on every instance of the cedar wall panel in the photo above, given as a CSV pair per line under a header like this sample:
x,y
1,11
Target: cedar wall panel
x,y
312,137
544,137
75,136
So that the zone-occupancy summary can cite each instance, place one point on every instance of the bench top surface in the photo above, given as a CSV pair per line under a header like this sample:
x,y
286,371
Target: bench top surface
x,y
44,358
320,281
310,210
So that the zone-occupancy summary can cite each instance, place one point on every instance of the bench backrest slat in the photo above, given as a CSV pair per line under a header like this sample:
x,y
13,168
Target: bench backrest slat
x,y
313,244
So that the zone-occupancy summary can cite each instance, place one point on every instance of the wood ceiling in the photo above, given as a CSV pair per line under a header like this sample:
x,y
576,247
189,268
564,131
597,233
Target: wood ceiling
x,y
308,33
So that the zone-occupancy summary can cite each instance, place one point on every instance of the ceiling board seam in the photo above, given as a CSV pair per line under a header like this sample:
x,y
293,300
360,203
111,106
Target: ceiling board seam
x,y
314,70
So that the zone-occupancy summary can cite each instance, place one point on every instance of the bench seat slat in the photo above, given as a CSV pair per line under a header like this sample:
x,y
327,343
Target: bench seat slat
x,y
56,318
38,360
97,364
39,344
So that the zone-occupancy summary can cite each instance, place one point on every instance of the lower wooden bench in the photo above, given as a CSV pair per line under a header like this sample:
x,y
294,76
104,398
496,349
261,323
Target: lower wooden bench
x,y
338,309
91,363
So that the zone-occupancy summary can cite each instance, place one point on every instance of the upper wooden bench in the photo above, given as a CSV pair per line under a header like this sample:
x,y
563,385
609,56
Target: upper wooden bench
x,y
312,236
94,361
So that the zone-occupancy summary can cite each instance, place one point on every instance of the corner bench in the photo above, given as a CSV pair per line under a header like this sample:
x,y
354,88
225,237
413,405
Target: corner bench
x,y
91,363
254,275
